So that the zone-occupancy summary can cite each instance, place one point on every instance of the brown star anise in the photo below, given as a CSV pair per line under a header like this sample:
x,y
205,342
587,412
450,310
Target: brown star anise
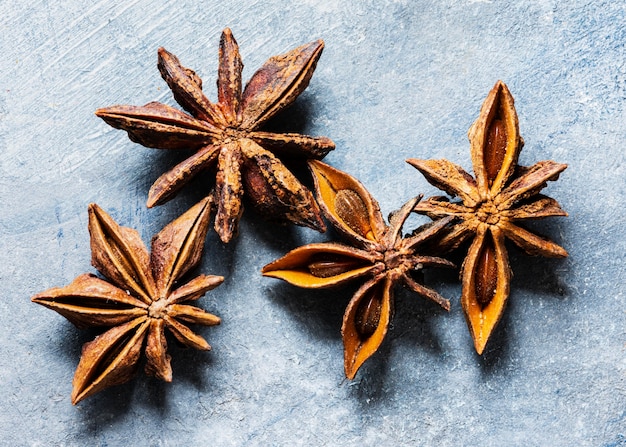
x,y
139,300
377,252
225,135
502,194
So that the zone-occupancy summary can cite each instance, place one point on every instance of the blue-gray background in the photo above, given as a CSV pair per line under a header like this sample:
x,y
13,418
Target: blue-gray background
x,y
398,79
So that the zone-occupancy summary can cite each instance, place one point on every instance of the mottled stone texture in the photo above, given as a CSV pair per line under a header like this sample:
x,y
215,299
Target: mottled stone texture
x,y
398,79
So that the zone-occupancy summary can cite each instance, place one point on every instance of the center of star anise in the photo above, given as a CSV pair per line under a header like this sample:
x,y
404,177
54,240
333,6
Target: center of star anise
x,y
230,133
488,213
393,259
157,308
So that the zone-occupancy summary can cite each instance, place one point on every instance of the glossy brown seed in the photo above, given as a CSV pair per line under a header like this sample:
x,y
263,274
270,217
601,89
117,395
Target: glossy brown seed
x,y
486,273
495,149
350,208
327,267
368,316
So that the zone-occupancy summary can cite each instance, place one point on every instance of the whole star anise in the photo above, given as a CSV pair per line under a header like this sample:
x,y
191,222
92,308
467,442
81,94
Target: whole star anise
x,y
225,135
139,300
502,194
378,253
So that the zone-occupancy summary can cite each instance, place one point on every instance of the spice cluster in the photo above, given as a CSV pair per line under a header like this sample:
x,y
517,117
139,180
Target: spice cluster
x,y
143,296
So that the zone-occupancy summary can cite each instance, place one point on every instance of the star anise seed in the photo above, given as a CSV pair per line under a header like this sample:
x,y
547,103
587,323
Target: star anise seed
x,y
377,253
502,194
138,301
225,135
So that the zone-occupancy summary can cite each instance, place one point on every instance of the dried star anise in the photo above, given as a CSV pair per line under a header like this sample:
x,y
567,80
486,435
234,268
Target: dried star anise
x,y
225,135
139,300
502,194
377,253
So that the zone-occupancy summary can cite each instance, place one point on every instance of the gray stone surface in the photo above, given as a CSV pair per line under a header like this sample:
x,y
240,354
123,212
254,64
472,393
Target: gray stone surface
x,y
398,79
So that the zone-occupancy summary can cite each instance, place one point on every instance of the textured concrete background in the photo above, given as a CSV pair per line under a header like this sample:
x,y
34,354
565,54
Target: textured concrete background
x,y
398,79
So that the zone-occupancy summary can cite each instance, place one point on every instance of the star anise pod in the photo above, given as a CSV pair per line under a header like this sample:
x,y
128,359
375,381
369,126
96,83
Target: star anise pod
x,y
377,254
226,137
502,194
139,300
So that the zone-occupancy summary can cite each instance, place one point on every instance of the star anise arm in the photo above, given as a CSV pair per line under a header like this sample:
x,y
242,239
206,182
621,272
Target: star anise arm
x,y
452,238
538,207
438,207
440,235
321,265
348,205
229,78
89,301
397,220
157,359
278,83
191,291
425,291
531,243
169,183
449,177
187,89
434,230
486,277
530,183
275,191
110,359
419,262
195,288
293,145
185,335
365,322
420,236
495,142
159,126
120,254
228,191
177,248
192,314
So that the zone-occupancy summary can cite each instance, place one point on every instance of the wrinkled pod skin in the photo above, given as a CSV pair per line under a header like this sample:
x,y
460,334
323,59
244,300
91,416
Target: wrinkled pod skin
x,y
226,137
